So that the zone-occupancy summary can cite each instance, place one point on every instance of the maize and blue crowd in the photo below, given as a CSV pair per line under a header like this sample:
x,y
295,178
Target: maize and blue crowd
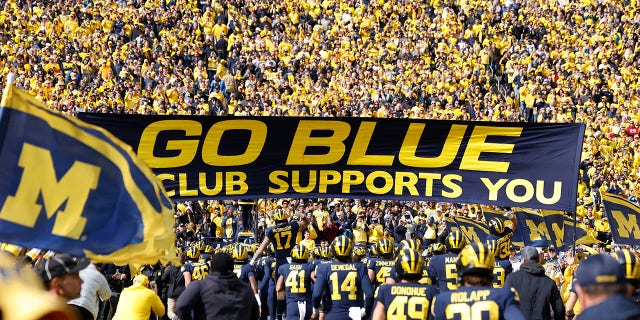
x,y
471,60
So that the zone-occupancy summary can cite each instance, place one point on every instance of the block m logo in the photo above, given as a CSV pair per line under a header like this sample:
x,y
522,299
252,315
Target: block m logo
x,y
627,225
39,178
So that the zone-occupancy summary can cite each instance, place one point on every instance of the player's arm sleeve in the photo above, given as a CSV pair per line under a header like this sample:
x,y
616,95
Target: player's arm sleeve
x,y
318,287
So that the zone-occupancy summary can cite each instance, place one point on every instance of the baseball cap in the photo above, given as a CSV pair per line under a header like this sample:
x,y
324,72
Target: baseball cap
x,y
221,263
529,253
599,269
61,265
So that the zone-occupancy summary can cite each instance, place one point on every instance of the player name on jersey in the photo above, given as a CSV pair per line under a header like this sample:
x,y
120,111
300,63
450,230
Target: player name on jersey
x,y
409,291
338,267
471,296
451,259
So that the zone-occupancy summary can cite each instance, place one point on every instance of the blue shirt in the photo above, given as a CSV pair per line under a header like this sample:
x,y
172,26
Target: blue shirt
x,y
283,238
445,270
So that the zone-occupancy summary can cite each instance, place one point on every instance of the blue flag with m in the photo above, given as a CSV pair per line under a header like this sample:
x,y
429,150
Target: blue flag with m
x,y
74,188
623,219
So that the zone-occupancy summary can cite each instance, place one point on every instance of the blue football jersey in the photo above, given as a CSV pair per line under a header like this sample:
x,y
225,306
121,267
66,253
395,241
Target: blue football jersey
x,y
504,243
243,271
381,270
283,238
346,284
477,303
406,300
297,281
501,268
445,270
198,270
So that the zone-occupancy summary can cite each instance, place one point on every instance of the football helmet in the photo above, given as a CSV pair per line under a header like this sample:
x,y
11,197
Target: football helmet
x,y
496,226
193,253
475,258
385,247
300,253
341,247
455,241
630,263
279,215
239,253
437,248
409,264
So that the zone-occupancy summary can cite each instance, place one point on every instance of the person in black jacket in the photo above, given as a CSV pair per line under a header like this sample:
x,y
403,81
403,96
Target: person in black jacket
x,y
539,295
174,278
221,295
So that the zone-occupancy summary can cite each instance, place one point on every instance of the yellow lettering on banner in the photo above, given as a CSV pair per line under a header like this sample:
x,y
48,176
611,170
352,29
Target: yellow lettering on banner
x,y
39,178
351,177
388,182
303,139
182,183
187,147
428,178
527,186
448,181
210,148
236,183
407,154
277,177
477,145
627,227
359,156
204,185
537,231
559,233
328,177
557,192
406,180
295,182
528,190
493,187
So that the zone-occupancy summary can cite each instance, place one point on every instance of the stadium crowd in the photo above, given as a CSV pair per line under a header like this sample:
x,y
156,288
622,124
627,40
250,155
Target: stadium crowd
x,y
511,60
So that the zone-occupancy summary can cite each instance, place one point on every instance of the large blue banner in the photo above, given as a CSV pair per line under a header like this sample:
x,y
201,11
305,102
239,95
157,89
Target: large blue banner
x,y
506,164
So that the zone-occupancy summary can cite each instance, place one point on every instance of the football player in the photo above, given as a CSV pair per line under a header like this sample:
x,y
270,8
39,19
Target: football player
x,y
380,268
502,232
345,282
502,267
283,235
476,299
393,275
407,299
443,266
192,269
267,285
295,279
243,269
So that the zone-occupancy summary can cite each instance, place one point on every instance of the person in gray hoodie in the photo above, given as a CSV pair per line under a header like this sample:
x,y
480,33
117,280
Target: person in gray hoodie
x,y
539,295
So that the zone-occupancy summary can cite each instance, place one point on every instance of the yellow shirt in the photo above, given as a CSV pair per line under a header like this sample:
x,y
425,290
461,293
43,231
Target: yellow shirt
x,y
137,304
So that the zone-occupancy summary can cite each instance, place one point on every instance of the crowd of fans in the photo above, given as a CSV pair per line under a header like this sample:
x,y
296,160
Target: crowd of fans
x,y
511,60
